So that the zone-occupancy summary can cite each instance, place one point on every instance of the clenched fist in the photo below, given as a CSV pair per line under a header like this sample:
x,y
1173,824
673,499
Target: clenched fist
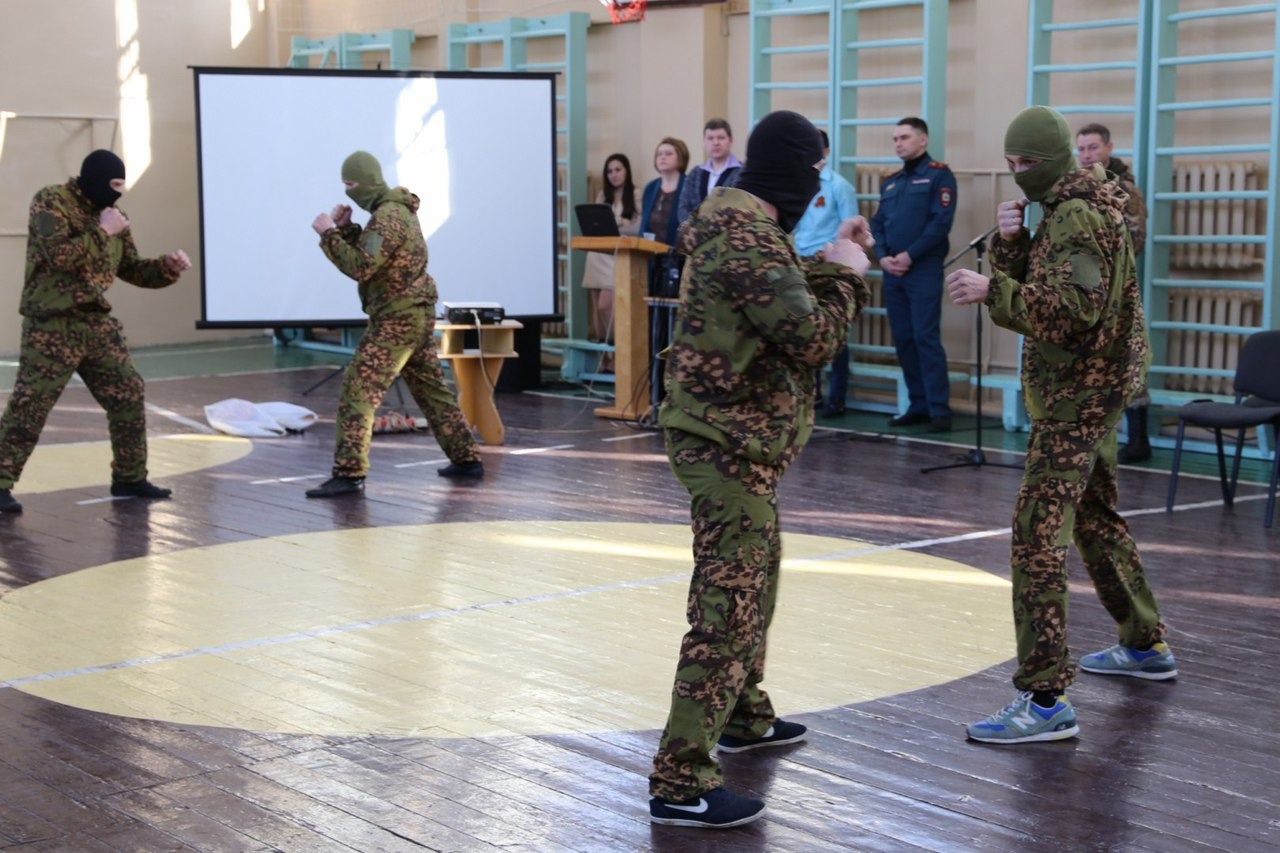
x,y
112,221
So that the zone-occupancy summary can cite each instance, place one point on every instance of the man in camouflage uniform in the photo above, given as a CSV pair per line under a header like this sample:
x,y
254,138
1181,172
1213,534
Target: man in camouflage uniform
x,y
78,243
753,326
1093,145
388,260
1072,291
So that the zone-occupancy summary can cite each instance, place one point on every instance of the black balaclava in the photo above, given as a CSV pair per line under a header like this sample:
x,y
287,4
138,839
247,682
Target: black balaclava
x,y
97,172
1041,133
784,155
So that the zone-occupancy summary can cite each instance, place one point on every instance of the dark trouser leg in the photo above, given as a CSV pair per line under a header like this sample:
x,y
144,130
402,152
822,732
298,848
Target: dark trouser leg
x,y
925,292
425,378
109,374
731,597
839,390
47,360
1138,447
897,303
383,350
1111,556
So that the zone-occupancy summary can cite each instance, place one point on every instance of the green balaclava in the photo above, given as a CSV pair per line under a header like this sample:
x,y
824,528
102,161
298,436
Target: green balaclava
x,y
1041,133
363,168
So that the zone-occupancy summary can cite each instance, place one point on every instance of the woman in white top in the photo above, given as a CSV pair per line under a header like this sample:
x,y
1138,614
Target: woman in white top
x,y
620,193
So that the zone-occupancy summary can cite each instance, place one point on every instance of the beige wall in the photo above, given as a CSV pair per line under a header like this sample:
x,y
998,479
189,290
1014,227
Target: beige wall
x,y
664,76
126,59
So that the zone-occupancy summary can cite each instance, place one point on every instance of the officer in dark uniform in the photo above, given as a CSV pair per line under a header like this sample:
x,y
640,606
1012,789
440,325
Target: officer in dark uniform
x,y
917,205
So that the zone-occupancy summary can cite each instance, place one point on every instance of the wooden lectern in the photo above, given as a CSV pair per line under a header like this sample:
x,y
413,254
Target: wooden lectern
x,y
630,320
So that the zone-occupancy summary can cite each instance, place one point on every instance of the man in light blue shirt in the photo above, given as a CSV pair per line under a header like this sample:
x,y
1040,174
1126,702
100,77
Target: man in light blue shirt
x,y
835,202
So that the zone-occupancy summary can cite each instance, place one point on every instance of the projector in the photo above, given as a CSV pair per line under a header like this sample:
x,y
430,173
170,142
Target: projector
x,y
466,313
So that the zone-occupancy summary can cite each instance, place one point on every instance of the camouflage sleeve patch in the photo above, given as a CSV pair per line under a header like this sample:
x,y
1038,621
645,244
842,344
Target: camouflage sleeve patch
x,y
1085,270
46,223
789,284
372,243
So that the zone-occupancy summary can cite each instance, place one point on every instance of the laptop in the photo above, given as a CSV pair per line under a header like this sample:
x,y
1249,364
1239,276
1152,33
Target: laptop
x,y
596,220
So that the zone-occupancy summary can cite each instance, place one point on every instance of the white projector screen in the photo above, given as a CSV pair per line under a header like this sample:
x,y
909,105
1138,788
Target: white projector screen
x,y
477,148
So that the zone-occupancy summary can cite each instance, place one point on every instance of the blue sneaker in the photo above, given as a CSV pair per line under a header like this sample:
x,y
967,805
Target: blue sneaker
x,y
1023,721
781,732
714,809
1155,664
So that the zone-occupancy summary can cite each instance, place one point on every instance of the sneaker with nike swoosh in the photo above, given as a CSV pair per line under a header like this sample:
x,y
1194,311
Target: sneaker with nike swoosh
x,y
714,809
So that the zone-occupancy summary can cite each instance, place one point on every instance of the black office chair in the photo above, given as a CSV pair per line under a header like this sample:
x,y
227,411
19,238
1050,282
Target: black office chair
x,y
1257,387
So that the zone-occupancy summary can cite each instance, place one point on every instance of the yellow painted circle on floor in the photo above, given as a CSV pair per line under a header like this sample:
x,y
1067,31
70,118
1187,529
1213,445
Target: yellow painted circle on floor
x,y
475,629
87,464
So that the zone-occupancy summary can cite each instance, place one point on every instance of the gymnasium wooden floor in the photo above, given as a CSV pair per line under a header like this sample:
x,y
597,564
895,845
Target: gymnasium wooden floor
x,y
483,666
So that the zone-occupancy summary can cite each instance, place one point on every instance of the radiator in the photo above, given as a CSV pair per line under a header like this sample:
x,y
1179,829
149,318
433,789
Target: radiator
x,y
1216,216
1213,350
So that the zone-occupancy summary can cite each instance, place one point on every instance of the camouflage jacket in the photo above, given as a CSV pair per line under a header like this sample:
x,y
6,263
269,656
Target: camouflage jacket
x,y
751,329
387,258
1072,291
71,261
1135,209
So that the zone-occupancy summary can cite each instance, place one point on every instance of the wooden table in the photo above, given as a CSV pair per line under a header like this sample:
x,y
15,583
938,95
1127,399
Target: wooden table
x,y
630,320
476,370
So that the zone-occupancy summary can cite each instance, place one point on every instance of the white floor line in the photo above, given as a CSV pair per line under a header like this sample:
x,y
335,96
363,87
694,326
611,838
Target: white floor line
x,y
287,479
528,450
631,437
419,464
185,421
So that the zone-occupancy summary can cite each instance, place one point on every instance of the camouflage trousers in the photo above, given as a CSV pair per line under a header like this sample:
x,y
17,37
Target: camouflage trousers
x,y
736,554
402,344
53,350
1069,493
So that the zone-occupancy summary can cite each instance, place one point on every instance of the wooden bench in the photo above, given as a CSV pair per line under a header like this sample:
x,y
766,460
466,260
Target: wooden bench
x,y
869,375
580,359
1013,407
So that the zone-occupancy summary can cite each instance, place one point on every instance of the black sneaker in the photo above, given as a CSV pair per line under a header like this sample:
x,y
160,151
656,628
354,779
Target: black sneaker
x,y
336,486
140,489
716,809
475,468
7,503
781,732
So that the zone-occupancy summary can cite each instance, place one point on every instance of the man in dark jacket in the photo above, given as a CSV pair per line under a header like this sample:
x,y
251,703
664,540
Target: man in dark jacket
x,y
911,228
78,244
1093,145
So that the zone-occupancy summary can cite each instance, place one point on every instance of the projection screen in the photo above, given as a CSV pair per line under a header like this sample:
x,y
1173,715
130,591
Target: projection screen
x,y
477,148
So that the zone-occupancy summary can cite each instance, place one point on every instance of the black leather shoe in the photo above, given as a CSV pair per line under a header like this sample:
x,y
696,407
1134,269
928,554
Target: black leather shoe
x,y
832,412
474,468
7,503
939,424
909,419
140,489
337,486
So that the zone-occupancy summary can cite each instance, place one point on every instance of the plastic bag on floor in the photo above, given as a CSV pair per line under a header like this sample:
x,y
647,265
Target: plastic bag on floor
x,y
291,417
253,420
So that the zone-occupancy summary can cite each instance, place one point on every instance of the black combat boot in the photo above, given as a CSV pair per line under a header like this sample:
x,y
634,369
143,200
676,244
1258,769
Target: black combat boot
x,y
7,503
337,486
1138,448
139,489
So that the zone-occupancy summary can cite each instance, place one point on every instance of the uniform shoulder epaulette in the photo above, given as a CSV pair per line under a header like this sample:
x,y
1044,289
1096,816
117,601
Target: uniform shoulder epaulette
x,y
938,164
